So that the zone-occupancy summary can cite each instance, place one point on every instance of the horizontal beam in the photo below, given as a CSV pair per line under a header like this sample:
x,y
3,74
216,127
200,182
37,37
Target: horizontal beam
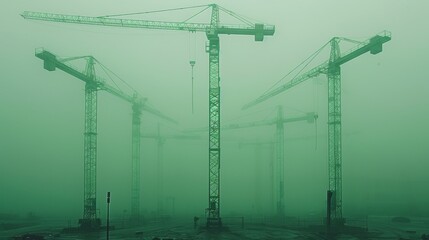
x,y
314,72
258,29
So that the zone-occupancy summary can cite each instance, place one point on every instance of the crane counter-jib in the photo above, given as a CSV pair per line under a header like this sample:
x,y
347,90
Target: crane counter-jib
x,y
256,29
51,62
373,45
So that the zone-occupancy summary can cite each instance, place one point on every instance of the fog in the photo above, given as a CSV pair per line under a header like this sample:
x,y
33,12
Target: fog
x,y
384,110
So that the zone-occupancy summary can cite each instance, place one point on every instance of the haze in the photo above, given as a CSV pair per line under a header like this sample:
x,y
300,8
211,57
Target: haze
x,y
384,98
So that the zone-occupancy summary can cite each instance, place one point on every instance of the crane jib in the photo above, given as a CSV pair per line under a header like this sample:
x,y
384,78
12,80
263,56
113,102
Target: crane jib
x,y
258,30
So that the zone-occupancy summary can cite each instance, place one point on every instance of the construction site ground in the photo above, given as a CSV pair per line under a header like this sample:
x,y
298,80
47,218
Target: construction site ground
x,y
369,228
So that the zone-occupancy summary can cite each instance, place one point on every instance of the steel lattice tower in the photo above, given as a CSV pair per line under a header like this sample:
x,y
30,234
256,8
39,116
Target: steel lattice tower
x,y
334,132
214,123
90,219
135,162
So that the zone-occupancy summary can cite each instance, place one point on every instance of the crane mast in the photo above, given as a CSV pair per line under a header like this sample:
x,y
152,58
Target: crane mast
x,y
213,210
334,132
135,159
90,219
332,68
212,30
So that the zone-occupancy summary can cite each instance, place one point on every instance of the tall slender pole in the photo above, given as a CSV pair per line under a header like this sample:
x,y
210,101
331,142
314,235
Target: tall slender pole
x,y
192,50
192,62
328,210
272,177
108,216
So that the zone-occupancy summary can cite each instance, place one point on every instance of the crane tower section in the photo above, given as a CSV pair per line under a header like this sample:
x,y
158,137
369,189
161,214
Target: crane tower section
x,y
334,130
90,219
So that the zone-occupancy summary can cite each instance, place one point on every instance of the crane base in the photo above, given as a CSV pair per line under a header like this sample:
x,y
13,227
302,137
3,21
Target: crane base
x,y
214,223
90,224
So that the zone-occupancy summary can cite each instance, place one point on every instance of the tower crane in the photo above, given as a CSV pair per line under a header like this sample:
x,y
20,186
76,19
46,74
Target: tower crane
x,y
212,30
332,68
279,122
93,83
161,139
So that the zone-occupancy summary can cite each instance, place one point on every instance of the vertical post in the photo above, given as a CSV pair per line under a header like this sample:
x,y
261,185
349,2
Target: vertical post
x,y
90,220
272,178
192,62
257,180
192,49
108,216
334,133
328,210
135,161
280,162
160,178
